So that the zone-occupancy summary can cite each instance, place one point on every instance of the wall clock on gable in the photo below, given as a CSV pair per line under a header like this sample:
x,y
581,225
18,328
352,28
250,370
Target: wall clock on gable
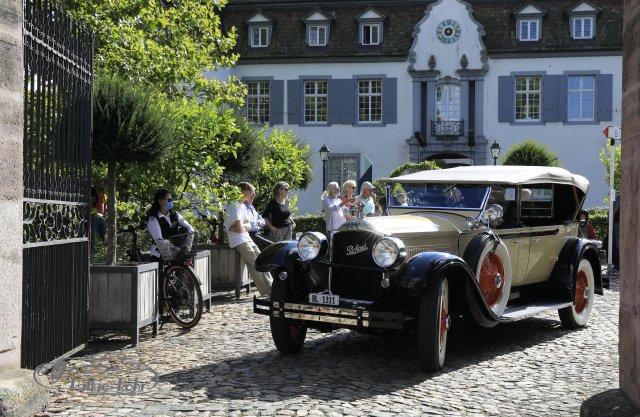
x,y
448,31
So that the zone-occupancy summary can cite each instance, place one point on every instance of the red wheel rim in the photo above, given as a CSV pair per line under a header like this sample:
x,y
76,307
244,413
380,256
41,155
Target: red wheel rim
x,y
582,285
490,285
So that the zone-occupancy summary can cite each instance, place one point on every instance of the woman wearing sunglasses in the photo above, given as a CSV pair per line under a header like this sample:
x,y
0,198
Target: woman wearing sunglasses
x,y
277,214
164,222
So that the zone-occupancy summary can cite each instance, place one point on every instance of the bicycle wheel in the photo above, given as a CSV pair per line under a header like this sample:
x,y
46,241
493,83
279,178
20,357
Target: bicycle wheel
x,y
182,295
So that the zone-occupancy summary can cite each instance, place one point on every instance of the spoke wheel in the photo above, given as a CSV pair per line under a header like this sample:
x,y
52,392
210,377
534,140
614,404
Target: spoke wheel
x,y
576,315
433,325
492,266
183,297
491,279
288,335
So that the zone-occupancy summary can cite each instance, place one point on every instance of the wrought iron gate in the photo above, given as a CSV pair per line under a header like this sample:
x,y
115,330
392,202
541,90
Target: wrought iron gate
x,y
58,65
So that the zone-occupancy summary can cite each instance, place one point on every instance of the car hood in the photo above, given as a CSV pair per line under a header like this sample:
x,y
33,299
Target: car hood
x,y
407,225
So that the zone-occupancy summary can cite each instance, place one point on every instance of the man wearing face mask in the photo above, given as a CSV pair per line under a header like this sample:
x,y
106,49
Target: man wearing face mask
x,y
585,229
164,222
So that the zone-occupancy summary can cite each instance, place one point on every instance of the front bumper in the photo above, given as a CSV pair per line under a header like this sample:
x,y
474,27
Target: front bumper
x,y
358,318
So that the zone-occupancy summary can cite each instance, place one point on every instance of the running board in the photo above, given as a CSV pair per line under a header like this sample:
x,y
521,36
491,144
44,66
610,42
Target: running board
x,y
514,313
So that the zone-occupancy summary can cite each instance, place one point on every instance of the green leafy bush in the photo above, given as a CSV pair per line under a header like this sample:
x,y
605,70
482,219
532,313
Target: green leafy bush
x,y
599,218
310,223
617,167
530,153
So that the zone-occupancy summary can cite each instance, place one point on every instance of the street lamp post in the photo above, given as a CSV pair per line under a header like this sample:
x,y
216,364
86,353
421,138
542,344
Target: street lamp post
x,y
324,156
495,151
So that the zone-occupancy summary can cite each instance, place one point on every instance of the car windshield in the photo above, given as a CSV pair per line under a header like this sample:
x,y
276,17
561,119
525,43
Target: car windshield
x,y
464,196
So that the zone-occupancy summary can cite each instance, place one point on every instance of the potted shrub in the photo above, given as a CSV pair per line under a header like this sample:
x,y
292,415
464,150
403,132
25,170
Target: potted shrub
x,y
131,126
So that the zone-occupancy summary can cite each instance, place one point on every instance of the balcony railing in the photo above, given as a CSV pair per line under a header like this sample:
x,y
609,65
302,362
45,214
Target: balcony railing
x,y
447,128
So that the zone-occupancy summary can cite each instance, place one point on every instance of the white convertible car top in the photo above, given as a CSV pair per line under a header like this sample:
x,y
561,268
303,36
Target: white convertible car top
x,y
501,174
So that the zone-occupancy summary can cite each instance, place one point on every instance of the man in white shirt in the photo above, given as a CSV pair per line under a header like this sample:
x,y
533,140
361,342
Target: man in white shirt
x,y
237,225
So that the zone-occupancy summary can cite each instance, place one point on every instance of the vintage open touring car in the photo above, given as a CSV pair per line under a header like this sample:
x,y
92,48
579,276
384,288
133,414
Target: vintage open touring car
x,y
492,244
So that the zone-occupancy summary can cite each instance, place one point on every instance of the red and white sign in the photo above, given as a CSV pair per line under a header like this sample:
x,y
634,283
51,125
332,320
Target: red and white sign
x,y
612,132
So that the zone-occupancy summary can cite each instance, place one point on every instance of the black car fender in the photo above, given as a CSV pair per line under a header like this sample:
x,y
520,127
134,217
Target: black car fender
x,y
274,257
575,249
416,274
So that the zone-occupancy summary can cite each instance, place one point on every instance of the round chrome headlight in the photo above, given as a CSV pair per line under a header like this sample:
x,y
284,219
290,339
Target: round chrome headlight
x,y
311,244
387,251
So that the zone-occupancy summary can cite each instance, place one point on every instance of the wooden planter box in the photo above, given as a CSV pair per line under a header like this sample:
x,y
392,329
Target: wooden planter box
x,y
202,265
228,270
124,297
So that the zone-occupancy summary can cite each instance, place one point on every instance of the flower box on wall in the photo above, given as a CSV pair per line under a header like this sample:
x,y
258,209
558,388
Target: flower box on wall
x,y
228,270
124,297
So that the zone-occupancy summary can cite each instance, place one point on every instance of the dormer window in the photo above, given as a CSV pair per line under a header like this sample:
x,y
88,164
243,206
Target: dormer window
x,y
370,27
317,35
370,33
529,23
317,29
259,31
259,36
528,30
582,19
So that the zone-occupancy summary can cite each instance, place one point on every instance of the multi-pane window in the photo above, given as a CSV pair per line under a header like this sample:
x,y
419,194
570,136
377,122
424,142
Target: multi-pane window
x,y
370,33
315,101
582,27
581,93
448,102
317,35
370,101
528,98
258,101
528,30
259,36
342,168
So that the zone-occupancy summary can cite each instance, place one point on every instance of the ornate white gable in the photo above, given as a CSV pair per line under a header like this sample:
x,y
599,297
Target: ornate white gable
x,y
448,40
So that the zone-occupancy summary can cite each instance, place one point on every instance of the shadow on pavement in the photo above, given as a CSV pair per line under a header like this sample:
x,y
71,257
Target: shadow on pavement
x,y
348,366
611,403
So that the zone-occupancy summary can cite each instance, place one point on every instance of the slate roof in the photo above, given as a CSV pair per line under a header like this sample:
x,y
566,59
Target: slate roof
x,y
496,16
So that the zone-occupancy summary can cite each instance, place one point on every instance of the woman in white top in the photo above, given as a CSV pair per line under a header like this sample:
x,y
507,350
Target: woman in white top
x,y
334,207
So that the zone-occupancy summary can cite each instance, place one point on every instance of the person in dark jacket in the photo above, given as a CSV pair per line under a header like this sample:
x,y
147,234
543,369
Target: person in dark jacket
x,y
164,222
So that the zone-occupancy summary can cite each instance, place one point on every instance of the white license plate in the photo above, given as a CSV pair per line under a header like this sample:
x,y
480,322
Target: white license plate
x,y
325,299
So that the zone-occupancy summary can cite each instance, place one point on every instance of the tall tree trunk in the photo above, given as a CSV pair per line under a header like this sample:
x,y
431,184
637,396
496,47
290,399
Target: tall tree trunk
x,y
112,175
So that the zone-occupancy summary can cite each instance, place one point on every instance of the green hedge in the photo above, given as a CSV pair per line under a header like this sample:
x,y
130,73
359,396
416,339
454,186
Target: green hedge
x,y
310,223
599,218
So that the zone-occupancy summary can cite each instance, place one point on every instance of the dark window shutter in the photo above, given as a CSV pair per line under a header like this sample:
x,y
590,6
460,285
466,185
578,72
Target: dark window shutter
x,y
276,102
562,98
550,98
341,101
335,101
505,98
294,104
605,97
348,92
390,100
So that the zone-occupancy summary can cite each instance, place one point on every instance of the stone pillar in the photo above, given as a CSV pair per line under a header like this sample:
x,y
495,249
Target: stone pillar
x,y
629,208
11,131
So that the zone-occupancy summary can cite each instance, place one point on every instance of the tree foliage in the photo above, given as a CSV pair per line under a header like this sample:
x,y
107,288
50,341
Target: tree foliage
x,y
530,153
605,158
285,158
130,126
129,123
164,43
410,167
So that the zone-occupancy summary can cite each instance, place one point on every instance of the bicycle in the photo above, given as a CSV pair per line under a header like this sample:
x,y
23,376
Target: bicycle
x,y
179,289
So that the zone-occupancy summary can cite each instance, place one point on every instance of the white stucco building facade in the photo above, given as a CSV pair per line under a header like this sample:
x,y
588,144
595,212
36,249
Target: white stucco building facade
x,y
384,84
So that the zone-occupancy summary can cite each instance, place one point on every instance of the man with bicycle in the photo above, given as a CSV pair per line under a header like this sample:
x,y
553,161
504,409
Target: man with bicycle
x,y
237,226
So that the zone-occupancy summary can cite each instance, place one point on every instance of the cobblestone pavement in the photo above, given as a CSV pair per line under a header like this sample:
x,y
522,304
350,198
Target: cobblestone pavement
x,y
227,365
